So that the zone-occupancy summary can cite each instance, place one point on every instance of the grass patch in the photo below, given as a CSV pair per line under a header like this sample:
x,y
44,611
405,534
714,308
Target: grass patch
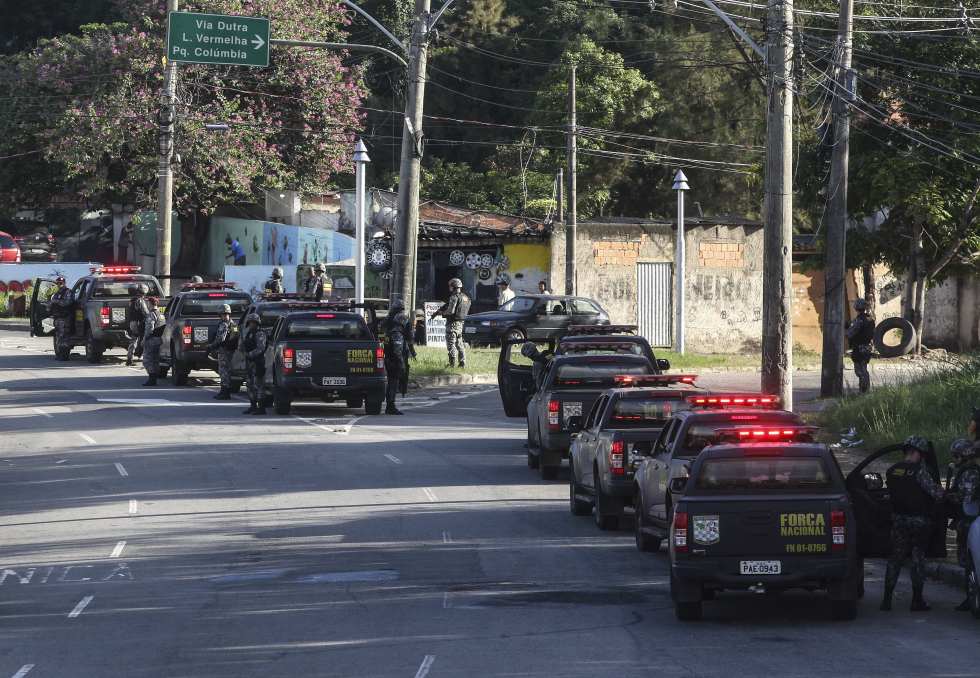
x,y
936,405
434,361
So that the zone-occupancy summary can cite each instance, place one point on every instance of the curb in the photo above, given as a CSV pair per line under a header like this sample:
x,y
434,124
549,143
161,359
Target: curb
x,y
453,380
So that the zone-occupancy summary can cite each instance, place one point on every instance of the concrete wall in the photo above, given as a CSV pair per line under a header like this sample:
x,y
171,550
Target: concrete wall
x,y
528,264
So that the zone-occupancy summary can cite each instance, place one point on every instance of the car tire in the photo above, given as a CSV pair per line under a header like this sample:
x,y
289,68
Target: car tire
x,y
93,348
900,349
644,542
515,334
603,519
860,578
354,403
532,460
373,406
281,401
844,610
235,386
576,505
689,612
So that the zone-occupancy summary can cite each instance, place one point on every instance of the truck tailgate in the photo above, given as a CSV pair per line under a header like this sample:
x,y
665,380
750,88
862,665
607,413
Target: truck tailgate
x,y
574,402
341,358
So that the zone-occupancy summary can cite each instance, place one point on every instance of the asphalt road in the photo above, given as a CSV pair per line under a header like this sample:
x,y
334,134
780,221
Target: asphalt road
x,y
157,532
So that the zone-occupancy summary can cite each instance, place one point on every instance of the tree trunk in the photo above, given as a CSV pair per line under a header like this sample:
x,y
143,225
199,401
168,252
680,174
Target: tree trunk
x,y
870,287
908,291
920,287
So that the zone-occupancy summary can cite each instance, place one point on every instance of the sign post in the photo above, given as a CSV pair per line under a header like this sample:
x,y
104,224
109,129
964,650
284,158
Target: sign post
x,y
196,38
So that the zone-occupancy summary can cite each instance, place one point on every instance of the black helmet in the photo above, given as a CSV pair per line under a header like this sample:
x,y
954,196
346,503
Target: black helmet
x,y
961,449
917,443
396,306
277,272
860,305
60,280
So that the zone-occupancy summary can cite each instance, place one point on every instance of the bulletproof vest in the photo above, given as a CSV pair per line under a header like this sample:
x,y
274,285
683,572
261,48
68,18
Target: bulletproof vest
x,y
866,331
59,305
907,497
249,342
970,506
462,307
136,312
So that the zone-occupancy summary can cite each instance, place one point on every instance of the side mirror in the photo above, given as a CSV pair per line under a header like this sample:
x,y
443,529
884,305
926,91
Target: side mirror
x,y
873,482
575,424
678,485
663,364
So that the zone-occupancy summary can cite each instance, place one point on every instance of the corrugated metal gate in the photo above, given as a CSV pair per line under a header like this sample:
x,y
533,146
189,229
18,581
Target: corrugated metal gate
x,y
654,302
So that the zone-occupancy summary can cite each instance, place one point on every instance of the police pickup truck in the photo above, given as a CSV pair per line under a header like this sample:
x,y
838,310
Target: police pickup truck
x,y
764,510
192,319
327,354
570,384
101,308
605,444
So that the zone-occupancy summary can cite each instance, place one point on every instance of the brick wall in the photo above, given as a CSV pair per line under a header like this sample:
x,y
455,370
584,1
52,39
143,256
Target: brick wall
x,y
713,254
621,253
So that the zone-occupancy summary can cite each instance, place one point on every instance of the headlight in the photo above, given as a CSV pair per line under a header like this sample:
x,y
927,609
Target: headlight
x,y
304,358
706,529
486,323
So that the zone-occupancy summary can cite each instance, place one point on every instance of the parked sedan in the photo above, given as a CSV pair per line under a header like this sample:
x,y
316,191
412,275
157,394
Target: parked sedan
x,y
9,251
532,316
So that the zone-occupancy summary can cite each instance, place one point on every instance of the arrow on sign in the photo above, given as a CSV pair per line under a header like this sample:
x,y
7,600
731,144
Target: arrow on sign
x,y
258,42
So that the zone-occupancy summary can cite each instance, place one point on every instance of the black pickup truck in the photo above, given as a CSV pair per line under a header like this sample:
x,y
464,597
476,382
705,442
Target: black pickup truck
x,y
764,513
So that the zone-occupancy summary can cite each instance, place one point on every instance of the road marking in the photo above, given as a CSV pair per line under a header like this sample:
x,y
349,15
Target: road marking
x,y
63,461
24,670
82,604
147,402
134,507
87,438
447,538
447,602
42,413
342,429
122,470
393,459
116,552
430,494
427,663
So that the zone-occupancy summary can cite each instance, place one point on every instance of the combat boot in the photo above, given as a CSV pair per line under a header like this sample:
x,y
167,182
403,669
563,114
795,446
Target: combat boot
x,y
150,380
918,602
260,408
886,602
391,409
462,364
223,394
252,409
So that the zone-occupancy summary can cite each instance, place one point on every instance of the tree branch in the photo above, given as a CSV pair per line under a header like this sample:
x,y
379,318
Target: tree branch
x,y
966,222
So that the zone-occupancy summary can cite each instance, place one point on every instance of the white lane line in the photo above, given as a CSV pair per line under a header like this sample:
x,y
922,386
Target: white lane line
x,y
447,538
393,459
42,412
430,495
342,429
447,602
82,604
24,670
116,552
134,507
63,461
87,438
122,470
427,663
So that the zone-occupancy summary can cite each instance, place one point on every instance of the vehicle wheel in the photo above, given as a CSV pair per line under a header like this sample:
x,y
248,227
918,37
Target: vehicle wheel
x,y
235,386
900,349
355,403
93,348
644,542
532,460
373,407
603,519
860,579
844,610
688,611
280,400
515,334
576,505
973,586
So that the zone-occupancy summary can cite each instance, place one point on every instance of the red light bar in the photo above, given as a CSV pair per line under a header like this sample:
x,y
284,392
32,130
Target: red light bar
x,y
653,379
216,285
220,295
325,315
754,434
601,329
115,269
572,346
735,400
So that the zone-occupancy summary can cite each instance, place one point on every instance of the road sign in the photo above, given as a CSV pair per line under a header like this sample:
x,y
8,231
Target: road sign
x,y
196,38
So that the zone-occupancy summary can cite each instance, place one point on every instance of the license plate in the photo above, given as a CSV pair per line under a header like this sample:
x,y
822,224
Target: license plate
x,y
760,567
335,381
201,334
118,315
571,410
469,330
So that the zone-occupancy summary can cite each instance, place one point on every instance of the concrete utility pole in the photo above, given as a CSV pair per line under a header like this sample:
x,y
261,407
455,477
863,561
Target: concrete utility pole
x,y
835,267
680,185
361,159
777,318
560,197
165,172
571,227
406,236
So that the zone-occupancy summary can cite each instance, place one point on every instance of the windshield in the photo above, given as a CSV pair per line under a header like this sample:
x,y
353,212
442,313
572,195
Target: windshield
x,y
346,327
645,412
595,374
518,305
211,306
775,473
116,287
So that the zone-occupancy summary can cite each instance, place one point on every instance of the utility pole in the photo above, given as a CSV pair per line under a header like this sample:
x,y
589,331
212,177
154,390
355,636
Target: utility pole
x,y
777,269
361,159
835,267
165,172
571,228
560,197
406,236
680,185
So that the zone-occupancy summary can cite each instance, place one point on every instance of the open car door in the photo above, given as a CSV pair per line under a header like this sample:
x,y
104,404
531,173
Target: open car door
x,y
41,307
516,377
873,509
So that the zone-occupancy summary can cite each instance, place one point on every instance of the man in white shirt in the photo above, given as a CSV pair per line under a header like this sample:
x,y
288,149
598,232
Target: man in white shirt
x,y
504,293
543,288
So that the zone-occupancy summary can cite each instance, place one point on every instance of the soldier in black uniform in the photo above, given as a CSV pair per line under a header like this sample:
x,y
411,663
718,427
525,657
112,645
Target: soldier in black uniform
x,y
62,308
965,490
914,493
860,337
254,342
399,347
136,315
455,311
274,284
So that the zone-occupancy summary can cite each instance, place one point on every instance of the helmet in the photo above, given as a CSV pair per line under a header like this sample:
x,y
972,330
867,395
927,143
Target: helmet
x,y
917,443
253,318
152,301
226,309
528,349
396,306
197,279
60,280
455,284
860,305
277,272
320,268
142,289
960,449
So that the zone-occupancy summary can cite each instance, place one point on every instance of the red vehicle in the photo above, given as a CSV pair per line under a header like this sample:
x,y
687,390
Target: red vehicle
x,y
9,250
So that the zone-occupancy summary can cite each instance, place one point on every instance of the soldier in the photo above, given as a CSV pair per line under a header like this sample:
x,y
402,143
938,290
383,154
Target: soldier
x,y
223,345
455,311
196,280
966,490
860,337
914,493
152,341
136,312
62,307
318,286
254,341
274,284
399,346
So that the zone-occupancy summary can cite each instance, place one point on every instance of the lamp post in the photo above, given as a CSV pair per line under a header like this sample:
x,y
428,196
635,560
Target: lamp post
x,y
360,160
680,185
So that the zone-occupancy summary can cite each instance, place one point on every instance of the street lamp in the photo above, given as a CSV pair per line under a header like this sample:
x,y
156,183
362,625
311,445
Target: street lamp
x,y
680,185
360,160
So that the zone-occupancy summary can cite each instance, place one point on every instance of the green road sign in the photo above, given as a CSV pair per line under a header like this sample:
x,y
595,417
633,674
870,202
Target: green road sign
x,y
196,38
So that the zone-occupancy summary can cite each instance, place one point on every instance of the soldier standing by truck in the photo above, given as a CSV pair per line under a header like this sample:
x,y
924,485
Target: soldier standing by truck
x,y
62,307
225,338
399,347
152,341
966,490
254,341
136,313
274,284
455,311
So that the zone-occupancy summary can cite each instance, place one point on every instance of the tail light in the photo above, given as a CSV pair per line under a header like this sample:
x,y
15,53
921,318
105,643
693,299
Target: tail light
x,y
187,333
554,415
379,358
616,458
104,316
288,359
838,530
679,532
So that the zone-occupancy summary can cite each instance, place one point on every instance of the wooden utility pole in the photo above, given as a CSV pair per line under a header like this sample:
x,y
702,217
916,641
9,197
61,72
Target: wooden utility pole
x,y
777,319
571,227
165,173
560,197
835,267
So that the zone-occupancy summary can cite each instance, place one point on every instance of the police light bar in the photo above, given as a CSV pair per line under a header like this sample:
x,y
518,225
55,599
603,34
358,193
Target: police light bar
x,y
602,329
216,285
269,296
115,269
313,305
573,346
625,380
756,434
721,400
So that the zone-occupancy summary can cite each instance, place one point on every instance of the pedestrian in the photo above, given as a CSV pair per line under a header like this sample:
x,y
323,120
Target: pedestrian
x,y
235,251
860,337
543,287
913,492
455,311
136,316
965,489
152,340
318,286
62,310
399,347
274,284
126,243
224,344
504,292
254,342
